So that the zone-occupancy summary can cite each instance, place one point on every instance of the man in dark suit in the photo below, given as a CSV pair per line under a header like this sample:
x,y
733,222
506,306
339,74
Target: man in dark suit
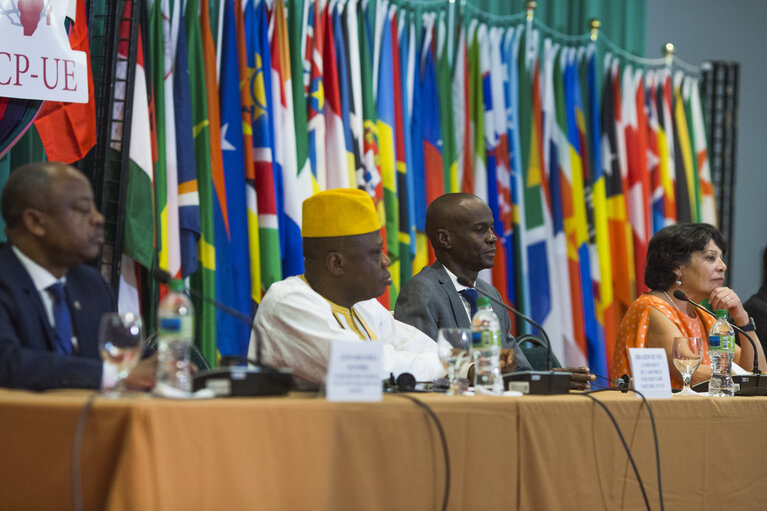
x,y
756,306
460,229
50,302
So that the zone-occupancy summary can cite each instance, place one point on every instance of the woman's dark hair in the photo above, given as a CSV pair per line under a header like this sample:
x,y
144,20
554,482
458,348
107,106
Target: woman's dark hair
x,y
672,246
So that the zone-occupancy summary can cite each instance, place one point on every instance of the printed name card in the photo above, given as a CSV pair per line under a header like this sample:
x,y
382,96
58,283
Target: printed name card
x,y
649,367
354,371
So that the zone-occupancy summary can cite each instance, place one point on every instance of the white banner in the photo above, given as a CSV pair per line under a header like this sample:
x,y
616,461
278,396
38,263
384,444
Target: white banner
x,y
36,60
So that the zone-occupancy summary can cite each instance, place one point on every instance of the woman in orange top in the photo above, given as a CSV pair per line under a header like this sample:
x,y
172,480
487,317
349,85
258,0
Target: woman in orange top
x,y
686,257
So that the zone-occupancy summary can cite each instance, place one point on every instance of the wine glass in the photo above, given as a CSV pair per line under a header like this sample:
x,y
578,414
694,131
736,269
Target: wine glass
x,y
453,348
121,343
687,353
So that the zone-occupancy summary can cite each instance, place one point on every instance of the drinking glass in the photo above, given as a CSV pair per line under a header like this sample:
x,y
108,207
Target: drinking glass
x,y
687,353
121,343
453,348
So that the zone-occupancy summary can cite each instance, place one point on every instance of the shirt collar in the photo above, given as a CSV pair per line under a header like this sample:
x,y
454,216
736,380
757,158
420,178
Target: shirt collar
x,y
458,286
41,277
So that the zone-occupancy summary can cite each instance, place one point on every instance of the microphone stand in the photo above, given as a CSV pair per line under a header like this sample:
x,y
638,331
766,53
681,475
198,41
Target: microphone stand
x,y
259,380
752,390
530,382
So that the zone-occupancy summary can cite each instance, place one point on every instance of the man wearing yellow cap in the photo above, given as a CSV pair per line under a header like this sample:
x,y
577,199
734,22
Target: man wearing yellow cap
x,y
345,270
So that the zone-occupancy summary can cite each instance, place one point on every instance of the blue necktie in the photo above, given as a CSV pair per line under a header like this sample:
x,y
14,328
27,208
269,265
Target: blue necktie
x,y
471,296
61,318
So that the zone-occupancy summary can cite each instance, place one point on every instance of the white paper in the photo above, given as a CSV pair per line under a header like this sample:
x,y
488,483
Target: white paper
x,y
36,60
649,369
354,371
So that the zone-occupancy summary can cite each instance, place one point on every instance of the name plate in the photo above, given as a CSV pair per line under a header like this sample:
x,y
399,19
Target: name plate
x,y
649,367
354,371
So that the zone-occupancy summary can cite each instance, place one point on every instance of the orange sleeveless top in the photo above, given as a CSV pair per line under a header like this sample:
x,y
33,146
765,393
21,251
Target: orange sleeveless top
x,y
632,332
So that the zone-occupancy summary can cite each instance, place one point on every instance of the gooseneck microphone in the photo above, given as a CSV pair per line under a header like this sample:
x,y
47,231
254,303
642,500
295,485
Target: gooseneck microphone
x,y
532,382
680,295
465,282
757,388
232,381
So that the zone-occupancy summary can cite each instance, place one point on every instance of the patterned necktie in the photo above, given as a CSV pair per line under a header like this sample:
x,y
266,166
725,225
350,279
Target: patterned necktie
x,y
471,296
61,318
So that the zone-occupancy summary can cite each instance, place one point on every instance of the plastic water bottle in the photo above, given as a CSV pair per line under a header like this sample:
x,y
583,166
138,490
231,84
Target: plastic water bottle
x,y
174,339
721,349
486,349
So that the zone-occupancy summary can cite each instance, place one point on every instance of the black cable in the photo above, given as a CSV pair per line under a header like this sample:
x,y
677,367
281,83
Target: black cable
x,y
442,438
623,441
77,444
631,459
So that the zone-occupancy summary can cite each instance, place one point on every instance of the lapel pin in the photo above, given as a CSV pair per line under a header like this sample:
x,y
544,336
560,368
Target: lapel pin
x,y
77,305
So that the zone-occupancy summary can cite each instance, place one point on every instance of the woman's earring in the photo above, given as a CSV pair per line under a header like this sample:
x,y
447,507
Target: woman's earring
x,y
679,281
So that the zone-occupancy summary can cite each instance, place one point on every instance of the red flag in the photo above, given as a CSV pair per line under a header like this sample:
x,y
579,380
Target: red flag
x,y
68,130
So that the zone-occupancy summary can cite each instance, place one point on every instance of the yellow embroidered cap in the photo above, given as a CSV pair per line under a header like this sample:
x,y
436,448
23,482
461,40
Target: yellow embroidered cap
x,y
339,212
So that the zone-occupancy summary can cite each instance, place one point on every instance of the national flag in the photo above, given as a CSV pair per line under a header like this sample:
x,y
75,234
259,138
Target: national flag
x,y
462,113
707,205
387,148
291,147
204,280
335,147
68,130
409,253
639,183
315,105
188,193
685,174
344,88
449,158
567,202
139,233
261,187
231,234
653,153
666,152
247,112
405,263
535,182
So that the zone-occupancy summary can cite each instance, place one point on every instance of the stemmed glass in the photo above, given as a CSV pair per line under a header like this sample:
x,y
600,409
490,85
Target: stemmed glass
x,y
687,353
453,348
121,342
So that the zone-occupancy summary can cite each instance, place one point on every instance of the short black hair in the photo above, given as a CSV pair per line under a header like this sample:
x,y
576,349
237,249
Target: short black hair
x,y
27,187
442,213
672,247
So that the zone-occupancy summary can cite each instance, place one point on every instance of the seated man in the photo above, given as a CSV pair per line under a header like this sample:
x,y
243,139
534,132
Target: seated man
x,y
50,303
460,229
345,271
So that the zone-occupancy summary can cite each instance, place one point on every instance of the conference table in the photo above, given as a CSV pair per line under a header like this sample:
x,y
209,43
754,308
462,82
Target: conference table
x,y
303,452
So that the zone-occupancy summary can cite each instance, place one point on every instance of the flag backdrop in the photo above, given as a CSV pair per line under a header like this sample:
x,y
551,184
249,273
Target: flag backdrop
x,y
580,156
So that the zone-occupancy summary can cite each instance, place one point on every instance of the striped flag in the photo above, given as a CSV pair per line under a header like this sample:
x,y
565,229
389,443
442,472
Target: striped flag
x,y
344,87
336,166
290,142
686,202
449,157
707,205
261,186
653,153
204,280
316,94
188,193
231,235
666,153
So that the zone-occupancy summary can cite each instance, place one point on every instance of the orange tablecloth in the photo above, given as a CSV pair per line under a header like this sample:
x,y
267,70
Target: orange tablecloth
x,y
558,452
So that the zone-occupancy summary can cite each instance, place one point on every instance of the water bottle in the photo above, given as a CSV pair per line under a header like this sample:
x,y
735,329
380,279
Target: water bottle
x,y
721,349
486,349
175,336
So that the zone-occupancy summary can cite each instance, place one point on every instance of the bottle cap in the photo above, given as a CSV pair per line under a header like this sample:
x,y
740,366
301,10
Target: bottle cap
x,y
721,313
176,285
483,301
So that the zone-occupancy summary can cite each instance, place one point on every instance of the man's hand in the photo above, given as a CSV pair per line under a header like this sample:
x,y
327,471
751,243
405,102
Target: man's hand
x,y
144,375
508,360
581,377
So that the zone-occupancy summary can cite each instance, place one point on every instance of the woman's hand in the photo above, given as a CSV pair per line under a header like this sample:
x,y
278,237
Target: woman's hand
x,y
726,298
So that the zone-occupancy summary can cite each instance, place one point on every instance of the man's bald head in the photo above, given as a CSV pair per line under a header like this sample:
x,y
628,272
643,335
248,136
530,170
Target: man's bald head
x,y
29,186
460,229
50,215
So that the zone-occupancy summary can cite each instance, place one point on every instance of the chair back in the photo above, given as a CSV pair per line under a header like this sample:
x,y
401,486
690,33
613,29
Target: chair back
x,y
534,349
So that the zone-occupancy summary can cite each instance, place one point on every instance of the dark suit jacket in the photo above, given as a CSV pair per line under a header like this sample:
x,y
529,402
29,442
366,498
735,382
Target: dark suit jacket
x,y
28,357
756,306
429,301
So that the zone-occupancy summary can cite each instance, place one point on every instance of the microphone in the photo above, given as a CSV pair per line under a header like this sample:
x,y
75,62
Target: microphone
x,y
534,376
232,380
680,295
